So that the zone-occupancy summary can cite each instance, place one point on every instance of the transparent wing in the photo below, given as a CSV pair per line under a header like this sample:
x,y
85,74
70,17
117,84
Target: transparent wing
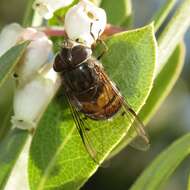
x,y
83,126
94,145
140,139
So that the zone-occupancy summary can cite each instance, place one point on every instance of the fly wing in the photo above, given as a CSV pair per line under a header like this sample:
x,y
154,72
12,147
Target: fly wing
x,y
139,136
94,145
140,139
84,129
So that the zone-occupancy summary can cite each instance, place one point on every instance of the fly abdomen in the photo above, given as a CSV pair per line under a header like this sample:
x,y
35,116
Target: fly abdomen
x,y
104,106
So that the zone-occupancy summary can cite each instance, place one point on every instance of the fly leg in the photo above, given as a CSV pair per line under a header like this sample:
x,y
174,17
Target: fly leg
x,y
99,40
105,50
91,33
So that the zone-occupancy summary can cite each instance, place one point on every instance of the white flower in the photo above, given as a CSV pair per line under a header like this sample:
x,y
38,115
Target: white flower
x,y
85,22
46,8
37,80
31,100
9,37
37,54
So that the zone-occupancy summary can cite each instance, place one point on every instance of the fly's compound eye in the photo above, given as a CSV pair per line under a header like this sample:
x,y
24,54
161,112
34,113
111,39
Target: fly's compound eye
x,y
62,60
66,55
58,65
80,54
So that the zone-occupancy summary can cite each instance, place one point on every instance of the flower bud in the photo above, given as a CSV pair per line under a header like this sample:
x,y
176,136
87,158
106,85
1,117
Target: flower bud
x,y
9,37
31,100
37,54
85,22
46,8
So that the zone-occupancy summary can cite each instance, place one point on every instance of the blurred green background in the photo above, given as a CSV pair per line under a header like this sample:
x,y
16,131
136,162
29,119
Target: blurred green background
x,y
170,122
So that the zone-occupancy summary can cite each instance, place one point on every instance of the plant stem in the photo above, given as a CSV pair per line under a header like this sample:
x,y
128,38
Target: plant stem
x,y
161,15
109,30
173,34
28,15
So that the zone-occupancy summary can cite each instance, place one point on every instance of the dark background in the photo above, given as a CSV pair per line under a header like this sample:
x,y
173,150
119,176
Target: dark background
x,y
169,123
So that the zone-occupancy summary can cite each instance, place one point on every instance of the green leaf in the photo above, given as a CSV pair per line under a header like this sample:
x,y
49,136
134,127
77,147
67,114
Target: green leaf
x,y
162,14
58,159
128,21
9,60
118,12
173,33
6,105
171,70
163,85
163,166
10,149
29,14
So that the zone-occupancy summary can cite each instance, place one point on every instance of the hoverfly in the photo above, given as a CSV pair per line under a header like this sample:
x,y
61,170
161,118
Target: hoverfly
x,y
91,93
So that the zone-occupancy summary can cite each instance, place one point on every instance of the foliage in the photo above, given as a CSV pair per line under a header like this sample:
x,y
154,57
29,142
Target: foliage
x,y
163,166
55,126
9,60
58,159
10,148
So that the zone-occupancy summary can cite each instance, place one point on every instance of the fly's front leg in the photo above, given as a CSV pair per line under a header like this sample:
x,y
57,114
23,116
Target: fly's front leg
x,y
99,40
104,51
91,33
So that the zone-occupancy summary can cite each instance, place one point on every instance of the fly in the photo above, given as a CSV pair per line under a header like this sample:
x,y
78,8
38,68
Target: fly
x,y
91,94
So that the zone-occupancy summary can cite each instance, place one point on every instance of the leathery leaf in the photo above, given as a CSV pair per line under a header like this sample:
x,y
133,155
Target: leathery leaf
x,y
58,159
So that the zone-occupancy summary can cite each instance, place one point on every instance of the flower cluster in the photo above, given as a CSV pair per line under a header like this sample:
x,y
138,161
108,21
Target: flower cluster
x,y
34,86
36,82
84,22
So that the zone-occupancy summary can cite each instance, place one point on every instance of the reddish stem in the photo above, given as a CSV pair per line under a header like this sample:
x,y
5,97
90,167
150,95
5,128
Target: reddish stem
x,y
53,31
110,30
